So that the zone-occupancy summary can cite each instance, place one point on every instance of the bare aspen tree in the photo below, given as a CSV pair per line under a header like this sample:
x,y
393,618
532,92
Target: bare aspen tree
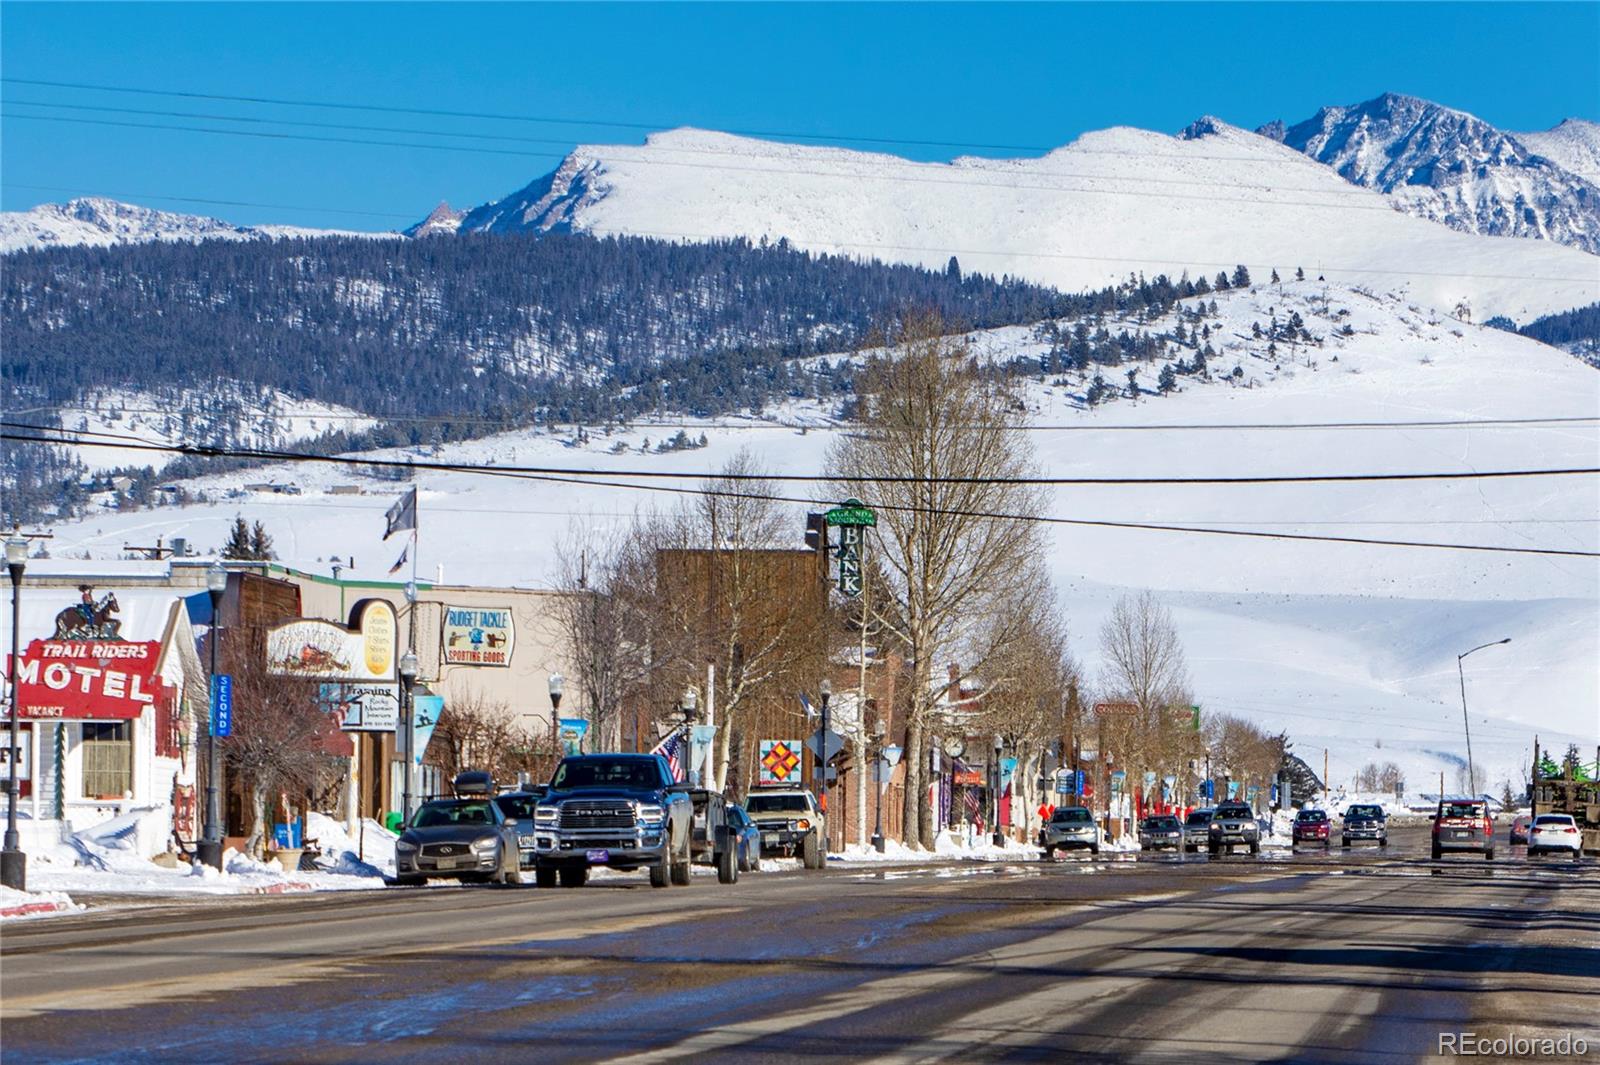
x,y
1143,665
938,447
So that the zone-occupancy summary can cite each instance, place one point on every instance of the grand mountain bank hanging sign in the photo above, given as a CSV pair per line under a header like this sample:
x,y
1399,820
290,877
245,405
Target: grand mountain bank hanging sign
x,y
478,636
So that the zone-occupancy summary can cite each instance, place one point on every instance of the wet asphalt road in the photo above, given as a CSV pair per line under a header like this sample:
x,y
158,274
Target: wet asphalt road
x,y
1361,957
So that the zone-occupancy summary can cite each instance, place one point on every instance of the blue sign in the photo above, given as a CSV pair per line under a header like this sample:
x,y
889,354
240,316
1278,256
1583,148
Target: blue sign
x,y
425,712
1077,783
1206,788
222,705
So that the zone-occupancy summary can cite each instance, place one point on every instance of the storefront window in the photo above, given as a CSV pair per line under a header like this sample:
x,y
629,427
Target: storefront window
x,y
107,759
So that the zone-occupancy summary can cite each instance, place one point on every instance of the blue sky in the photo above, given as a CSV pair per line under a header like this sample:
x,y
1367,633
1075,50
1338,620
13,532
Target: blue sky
x,y
985,74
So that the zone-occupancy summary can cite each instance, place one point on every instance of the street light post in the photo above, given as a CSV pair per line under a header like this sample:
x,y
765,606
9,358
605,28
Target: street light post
x,y
879,729
13,861
999,745
408,680
556,682
826,688
209,850
1472,775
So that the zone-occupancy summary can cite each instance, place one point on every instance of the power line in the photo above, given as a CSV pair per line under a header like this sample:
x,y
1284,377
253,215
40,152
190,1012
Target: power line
x,y
199,199
1353,191
590,478
808,478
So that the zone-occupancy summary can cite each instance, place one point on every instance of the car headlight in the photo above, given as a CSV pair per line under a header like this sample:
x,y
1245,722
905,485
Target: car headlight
x,y
1216,826
650,814
527,842
403,847
485,845
546,815
802,826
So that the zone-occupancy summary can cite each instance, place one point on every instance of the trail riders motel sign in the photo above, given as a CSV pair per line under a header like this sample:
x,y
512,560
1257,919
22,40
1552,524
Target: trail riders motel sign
x,y
88,679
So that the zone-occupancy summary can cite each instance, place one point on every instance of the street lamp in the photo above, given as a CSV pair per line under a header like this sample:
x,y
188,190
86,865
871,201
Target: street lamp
x,y
209,849
999,744
826,688
556,681
879,729
1472,776
408,679
13,862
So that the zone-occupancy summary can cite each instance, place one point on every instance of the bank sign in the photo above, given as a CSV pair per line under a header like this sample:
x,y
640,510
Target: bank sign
x,y
97,680
478,636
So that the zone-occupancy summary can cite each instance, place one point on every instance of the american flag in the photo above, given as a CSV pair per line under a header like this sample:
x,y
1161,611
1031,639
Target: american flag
x,y
671,749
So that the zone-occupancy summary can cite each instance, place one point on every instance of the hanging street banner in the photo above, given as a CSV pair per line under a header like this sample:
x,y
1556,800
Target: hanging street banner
x,y
478,636
222,705
780,761
425,713
571,731
362,707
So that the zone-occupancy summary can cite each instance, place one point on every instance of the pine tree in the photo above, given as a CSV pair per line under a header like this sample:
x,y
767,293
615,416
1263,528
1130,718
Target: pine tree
x,y
238,545
1221,284
1299,273
1133,384
1275,279
1167,380
1241,276
260,544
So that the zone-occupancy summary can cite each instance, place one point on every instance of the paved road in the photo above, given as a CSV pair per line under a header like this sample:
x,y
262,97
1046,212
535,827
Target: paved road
x,y
1362,957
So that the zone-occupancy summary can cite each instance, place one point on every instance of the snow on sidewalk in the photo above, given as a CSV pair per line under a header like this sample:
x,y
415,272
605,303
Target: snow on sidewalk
x,y
950,847
16,904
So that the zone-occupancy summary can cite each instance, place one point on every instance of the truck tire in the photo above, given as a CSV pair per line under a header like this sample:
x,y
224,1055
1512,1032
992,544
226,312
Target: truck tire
x,y
574,875
661,872
680,869
727,867
545,876
811,852
1345,843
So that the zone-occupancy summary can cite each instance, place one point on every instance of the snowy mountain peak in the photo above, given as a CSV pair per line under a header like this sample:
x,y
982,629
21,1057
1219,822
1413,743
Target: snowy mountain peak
x,y
95,221
1453,167
442,219
1574,143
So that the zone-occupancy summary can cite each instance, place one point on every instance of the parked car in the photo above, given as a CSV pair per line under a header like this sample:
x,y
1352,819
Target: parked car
x,y
1519,830
621,811
1463,825
1233,824
1311,826
790,824
520,806
747,837
1070,828
466,838
1365,821
1162,830
1196,830
1554,832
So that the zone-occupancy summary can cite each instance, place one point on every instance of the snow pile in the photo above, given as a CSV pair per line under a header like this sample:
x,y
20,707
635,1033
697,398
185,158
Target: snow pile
x,y
370,852
19,905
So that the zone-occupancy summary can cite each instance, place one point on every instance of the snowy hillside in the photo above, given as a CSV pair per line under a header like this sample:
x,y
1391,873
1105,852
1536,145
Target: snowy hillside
x,y
99,222
1451,167
1346,646
224,412
1574,144
1112,203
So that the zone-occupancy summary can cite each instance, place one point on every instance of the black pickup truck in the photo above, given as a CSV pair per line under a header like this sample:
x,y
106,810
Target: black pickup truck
x,y
620,811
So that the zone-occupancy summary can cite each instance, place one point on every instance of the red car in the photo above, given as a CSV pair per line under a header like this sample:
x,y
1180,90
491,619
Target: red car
x,y
1311,826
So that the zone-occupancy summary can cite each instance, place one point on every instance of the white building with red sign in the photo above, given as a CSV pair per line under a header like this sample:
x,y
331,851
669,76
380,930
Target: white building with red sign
x,y
112,694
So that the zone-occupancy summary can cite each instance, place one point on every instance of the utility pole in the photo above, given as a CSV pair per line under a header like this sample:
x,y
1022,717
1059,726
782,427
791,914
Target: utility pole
x,y
1327,785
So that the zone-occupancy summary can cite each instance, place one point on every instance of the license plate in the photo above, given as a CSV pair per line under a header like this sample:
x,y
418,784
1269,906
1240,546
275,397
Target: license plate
x,y
1462,834
769,838
451,863
597,857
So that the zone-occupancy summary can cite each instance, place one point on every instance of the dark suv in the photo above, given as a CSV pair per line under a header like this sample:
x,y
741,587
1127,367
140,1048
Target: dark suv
x,y
1463,825
1365,822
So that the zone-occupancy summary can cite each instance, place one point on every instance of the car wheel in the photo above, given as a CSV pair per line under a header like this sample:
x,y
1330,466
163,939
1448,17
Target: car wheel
x,y
1488,855
1383,841
573,876
1049,854
680,868
1255,848
545,876
1212,849
811,852
1345,843
1326,844
1094,848
1437,853
727,867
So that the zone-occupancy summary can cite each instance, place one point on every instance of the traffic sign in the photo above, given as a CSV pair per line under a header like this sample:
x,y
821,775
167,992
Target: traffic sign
x,y
222,705
851,512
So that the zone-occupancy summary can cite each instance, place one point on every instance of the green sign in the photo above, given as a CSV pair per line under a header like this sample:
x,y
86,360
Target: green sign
x,y
851,512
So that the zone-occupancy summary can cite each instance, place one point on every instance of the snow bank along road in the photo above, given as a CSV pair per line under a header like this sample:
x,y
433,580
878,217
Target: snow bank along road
x,y
1363,957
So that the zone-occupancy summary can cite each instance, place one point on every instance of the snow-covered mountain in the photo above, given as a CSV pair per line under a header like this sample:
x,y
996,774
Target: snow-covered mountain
x,y
1442,164
1574,144
98,222
1114,202
442,219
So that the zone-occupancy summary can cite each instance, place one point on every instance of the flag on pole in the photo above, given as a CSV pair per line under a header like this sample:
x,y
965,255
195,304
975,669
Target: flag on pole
x,y
403,515
401,561
671,749
805,704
